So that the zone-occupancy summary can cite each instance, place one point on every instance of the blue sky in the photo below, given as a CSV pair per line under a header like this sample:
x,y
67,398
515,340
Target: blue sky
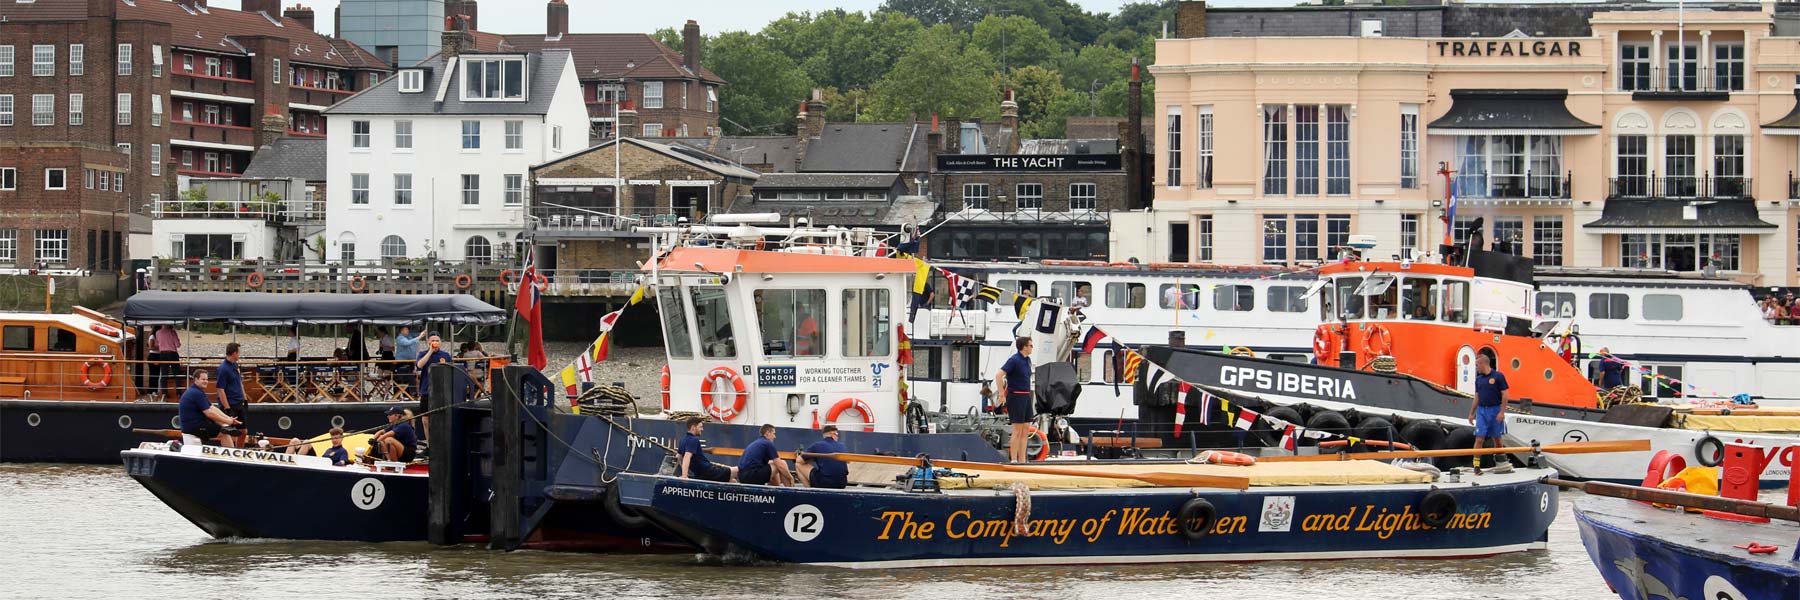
x,y
527,16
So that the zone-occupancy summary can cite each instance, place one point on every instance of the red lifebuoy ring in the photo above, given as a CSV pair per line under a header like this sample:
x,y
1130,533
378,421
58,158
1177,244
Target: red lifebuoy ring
x,y
1378,341
719,411
665,387
1325,345
506,277
868,414
1043,443
358,284
87,375
254,280
105,330
543,283
463,281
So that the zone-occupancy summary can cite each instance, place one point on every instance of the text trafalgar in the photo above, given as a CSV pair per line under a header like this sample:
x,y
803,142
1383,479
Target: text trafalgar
x,y
1508,48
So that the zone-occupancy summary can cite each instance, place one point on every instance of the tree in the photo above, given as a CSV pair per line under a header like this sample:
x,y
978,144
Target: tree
x,y
1023,41
1097,63
958,13
938,75
1033,89
764,87
846,106
1053,124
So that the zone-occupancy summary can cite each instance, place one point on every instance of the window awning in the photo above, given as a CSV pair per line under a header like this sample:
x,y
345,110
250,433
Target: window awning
x,y
1510,112
1675,216
1787,125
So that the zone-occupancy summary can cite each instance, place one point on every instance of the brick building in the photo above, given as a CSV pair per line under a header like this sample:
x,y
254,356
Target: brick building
x,y
170,87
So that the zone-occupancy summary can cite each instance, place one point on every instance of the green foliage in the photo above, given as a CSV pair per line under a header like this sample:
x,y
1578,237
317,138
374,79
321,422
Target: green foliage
x,y
765,86
940,75
1034,88
1024,42
846,106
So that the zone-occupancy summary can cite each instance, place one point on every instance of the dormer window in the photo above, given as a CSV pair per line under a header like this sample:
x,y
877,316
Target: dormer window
x,y
493,78
412,81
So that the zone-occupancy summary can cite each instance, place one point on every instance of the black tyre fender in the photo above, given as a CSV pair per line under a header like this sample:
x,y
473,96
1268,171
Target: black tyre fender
x,y
1196,518
1460,438
1375,428
1329,421
1437,508
1709,451
1423,435
625,517
1285,413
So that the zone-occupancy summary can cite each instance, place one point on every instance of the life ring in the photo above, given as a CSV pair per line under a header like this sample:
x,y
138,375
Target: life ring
x,y
665,387
1325,345
1243,351
1196,518
254,280
543,283
87,375
106,330
358,284
1709,457
719,411
506,278
1043,443
1378,341
463,281
831,416
1437,508
1224,457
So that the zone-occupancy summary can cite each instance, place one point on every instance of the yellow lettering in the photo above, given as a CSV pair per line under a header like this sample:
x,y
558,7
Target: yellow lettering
x,y
890,517
950,525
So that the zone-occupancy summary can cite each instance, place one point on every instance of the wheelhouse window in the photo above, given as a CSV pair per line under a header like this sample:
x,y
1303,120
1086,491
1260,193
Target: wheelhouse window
x,y
18,337
712,316
867,327
1418,299
1341,302
61,340
792,321
1456,302
674,321
493,78
1234,298
1609,306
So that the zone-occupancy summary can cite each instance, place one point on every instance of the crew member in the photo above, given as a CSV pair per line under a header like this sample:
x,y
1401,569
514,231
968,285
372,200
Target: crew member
x,y
1612,372
168,350
806,335
694,464
1015,378
231,383
200,420
762,464
1489,410
336,453
399,441
406,351
824,472
435,355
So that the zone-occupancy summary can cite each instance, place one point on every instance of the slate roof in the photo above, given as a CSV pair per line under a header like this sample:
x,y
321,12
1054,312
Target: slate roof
x,y
868,147
1667,214
774,150
544,69
1487,110
208,31
289,158
881,215
616,56
1791,120
682,152
835,181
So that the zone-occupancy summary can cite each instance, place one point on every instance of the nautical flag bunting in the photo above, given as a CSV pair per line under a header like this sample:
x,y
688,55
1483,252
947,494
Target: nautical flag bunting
x,y
1092,339
1133,361
1181,401
1287,438
989,293
1247,419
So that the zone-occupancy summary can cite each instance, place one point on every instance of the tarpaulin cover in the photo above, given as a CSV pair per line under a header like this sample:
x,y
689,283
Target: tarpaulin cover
x,y
265,310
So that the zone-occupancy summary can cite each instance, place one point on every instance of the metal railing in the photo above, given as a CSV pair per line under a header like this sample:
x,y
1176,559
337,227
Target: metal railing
x,y
1688,186
590,282
399,276
1529,185
281,211
1667,78
1029,215
605,218
102,377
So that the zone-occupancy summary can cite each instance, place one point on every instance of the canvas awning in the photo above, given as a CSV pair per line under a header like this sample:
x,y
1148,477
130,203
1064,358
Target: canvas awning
x,y
269,310
1510,112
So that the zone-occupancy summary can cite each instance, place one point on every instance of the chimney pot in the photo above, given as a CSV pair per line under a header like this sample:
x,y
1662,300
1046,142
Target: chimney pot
x,y
302,14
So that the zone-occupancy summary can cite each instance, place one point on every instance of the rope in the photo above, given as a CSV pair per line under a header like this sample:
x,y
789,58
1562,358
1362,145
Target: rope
x,y
607,400
1021,508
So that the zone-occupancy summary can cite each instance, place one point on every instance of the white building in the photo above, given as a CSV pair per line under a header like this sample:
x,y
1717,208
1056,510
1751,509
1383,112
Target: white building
x,y
436,160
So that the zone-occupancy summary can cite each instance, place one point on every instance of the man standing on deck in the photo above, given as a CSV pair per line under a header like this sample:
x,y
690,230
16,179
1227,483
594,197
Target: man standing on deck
x,y
694,464
168,350
1489,411
1612,372
231,383
433,355
829,473
200,421
1015,378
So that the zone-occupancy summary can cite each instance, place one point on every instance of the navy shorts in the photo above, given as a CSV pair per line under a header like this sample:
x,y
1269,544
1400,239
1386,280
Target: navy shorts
x,y
828,481
1018,408
1488,423
755,474
709,472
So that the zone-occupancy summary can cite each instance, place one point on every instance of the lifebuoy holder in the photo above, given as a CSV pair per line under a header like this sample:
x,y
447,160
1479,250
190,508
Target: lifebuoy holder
x,y
1378,341
717,409
1325,345
846,404
87,374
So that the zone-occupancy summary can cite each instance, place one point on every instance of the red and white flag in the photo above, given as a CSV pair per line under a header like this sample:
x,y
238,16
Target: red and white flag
x,y
1287,438
1205,408
1181,405
1247,419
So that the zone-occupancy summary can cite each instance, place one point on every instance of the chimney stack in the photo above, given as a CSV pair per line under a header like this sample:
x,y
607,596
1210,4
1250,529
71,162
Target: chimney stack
x,y
268,7
628,119
1136,181
274,127
1190,19
815,114
458,39
337,21
1009,113
556,19
465,8
303,14
690,42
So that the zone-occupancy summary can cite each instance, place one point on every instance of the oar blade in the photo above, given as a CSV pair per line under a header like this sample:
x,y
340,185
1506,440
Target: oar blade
x,y
1596,447
1166,479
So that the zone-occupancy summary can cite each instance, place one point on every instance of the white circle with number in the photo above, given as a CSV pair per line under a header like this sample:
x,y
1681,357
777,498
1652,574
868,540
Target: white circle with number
x,y
803,522
368,493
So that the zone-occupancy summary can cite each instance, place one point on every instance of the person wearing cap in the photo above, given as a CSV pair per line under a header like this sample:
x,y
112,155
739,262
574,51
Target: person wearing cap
x,y
399,441
824,472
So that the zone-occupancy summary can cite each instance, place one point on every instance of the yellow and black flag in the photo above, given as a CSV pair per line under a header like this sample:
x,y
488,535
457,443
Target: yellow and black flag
x,y
1021,305
989,293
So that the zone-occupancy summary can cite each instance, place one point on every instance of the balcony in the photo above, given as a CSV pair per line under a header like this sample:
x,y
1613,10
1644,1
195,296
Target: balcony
x,y
1530,186
233,137
1028,216
1703,186
604,221
590,282
1695,84
275,201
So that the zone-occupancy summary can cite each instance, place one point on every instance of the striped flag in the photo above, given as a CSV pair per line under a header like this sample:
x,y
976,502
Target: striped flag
x,y
1133,361
603,346
1021,304
1287,438
1206,401
1247,419
989,293
1181,401
1091,339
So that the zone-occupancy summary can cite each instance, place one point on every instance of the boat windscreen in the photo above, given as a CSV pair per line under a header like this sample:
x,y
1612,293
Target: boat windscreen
x,y
1375,285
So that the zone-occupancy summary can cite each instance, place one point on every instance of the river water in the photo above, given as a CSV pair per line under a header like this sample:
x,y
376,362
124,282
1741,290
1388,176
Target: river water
x,y
92,532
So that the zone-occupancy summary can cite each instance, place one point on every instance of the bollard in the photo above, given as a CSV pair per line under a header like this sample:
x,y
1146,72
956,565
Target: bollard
x,y
1739,476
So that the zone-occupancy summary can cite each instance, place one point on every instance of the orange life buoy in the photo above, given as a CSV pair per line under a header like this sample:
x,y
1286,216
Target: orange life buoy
x,y
665,387
1224,457
506,277
543,283
254,280
1325,345
105,330
1043,442
848,403
463,281
1378,341
358,284
719,411
87,375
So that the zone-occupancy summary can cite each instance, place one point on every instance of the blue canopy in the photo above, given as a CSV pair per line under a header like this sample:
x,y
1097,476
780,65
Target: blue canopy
x,y
267,310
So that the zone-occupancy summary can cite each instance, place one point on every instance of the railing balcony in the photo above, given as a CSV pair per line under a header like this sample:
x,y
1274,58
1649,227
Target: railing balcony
x,y
606,218
1029,215
1666,82
279,211
1681,186
1516,187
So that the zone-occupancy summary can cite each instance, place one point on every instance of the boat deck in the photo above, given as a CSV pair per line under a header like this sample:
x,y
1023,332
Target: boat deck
x,y
1700,534
1337,474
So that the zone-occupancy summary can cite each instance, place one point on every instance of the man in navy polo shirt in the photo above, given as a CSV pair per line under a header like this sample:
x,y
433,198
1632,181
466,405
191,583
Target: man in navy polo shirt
x,y
434,354
1489,411
824,472
201,422
231,383
694,464
1014,380
762,464
399,442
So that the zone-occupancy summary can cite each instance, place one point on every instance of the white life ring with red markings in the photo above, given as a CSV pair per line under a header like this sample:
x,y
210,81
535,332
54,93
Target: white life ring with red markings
x,y
719,410
852,404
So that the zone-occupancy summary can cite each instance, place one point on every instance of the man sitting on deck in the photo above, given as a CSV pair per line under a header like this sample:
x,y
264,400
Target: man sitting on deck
x,y
200,420
694,464
336,453
824,472
762,464
398,442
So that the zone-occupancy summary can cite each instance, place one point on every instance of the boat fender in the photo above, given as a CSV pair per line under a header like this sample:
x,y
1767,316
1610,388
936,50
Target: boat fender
x,y
1196,517
665,387
1437,508
626,517
739,395
1423,434
838,409
1709,451
87,375
1021,508
463,281
1033,436
254,280
1375,428
1329,421
1460,438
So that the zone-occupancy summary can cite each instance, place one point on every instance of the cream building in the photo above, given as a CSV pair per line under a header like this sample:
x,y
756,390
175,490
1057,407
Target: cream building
x,y
1639,137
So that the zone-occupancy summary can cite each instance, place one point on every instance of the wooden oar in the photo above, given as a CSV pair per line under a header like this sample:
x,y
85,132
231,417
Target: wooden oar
x,y
1562,448
1164,479
740,452
1714,503
176,434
